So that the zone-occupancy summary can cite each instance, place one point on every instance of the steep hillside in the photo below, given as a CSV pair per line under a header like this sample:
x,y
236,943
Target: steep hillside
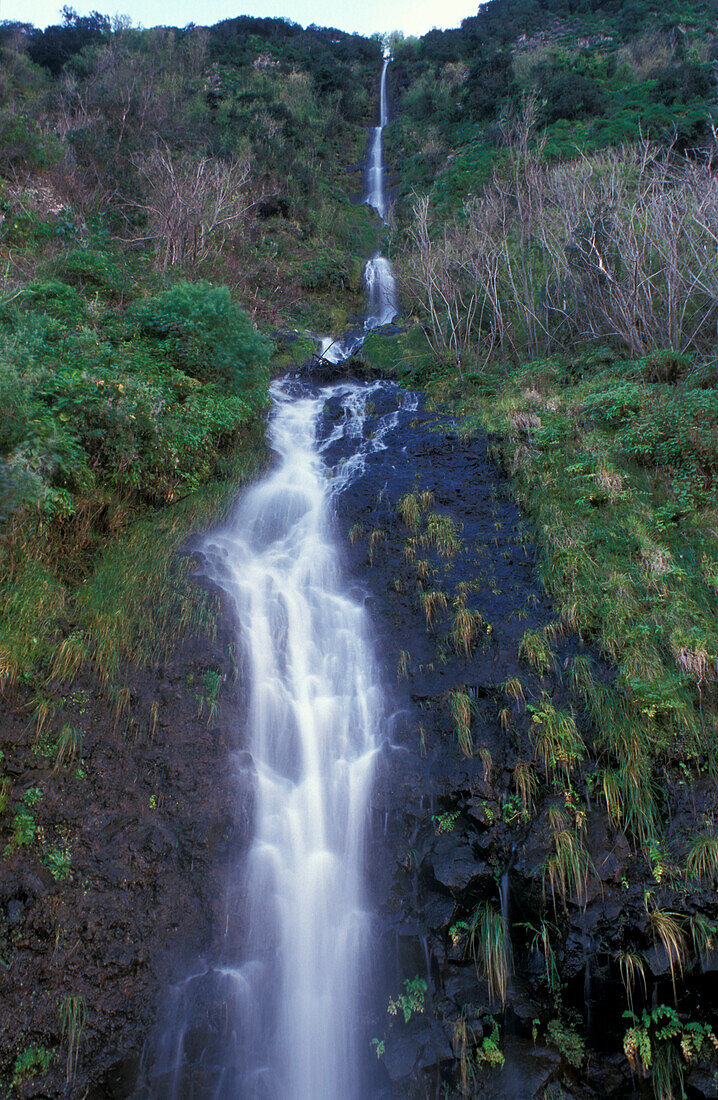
x,y
555,239
175,220
601,74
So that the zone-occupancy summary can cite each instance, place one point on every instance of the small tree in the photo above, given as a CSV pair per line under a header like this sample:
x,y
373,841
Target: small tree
x,y
209,337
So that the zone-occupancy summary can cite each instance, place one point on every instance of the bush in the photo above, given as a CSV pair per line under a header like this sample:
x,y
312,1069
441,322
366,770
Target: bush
x,y
208,337
54,298
91,270
24,145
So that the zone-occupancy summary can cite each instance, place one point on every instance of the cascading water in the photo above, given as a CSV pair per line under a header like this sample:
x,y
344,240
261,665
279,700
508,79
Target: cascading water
x,y
314,712
378,276
375,171
285,993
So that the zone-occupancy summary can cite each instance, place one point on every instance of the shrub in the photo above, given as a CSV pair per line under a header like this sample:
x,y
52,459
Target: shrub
x,y
23,145
91,270
208,337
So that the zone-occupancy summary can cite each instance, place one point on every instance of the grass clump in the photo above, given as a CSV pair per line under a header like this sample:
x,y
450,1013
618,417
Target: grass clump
x,y
525,785
535,650
556,739
434,603
460,710
69,747
442,535
569,864
702,859
73,1021
466,628
487,944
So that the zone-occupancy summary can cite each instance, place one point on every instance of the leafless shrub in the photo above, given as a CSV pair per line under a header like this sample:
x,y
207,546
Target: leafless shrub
x,y
620,247
192,204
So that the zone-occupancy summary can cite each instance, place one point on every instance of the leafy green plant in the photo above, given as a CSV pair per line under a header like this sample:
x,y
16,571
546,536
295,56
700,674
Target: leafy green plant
x,y
658,1044
58,862
208,337
208,698
411,1001
445,822
567,1041
31,1062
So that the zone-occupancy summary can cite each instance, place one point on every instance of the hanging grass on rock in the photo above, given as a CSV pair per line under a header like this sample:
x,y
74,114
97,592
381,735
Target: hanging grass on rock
x,y
461,711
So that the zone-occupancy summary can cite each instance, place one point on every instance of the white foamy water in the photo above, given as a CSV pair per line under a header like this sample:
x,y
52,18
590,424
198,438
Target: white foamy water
x,y
314,713
379,281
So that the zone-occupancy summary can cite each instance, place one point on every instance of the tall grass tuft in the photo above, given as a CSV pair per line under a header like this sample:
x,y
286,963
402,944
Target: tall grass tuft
x,y
73,1020
70,656
409,509
69,747
441,533
433,603
632,967
466,627
535,650
667,930
702,861
460,710
513,689
568,865
487,943
525,784
556,739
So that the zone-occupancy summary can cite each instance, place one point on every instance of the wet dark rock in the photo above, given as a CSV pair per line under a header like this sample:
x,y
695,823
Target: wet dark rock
x,y
527,1072
422,1049
454,864
438,911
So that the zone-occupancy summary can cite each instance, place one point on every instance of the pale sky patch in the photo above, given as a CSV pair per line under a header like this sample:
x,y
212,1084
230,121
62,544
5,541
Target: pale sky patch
x,y
363,16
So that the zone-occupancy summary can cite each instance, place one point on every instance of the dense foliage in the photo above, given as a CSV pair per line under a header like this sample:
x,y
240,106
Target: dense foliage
x,y
601,73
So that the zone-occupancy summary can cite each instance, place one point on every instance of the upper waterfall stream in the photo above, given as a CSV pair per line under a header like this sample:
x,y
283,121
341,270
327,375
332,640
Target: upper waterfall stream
x,y
379,282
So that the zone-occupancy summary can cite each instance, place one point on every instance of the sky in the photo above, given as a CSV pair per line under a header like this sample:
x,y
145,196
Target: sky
x,y
364,16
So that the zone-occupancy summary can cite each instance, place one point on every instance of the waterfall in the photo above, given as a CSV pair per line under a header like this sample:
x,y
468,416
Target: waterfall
x,y
375,171
274,1015
378,276
314,710
380,292
379,282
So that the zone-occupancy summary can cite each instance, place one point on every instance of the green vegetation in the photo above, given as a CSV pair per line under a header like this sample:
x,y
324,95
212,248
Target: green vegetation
x,y
600,72
31,1062
660,1045
411,1001
73,1020
167,199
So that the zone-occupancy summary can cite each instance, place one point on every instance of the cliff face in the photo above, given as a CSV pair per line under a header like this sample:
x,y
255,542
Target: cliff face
x,y
471,898
122,885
